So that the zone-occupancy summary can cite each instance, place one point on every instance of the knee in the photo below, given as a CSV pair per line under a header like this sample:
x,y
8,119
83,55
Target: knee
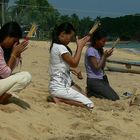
x,y
26,77
116,98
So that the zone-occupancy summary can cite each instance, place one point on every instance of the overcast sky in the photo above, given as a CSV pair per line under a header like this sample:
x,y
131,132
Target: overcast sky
x,y
94,8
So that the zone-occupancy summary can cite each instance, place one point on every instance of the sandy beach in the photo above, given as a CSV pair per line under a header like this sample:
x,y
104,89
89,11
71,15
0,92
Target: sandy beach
x,y
33,118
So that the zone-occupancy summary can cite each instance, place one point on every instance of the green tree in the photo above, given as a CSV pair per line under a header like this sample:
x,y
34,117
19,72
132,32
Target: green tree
x,y
4,13
46,17
34,11
85,25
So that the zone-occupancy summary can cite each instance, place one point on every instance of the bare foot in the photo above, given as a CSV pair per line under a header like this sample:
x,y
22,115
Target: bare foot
x,y
57,100
53,99
4,98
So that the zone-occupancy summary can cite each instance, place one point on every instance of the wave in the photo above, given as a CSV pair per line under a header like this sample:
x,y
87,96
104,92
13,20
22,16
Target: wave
x,y
133,50
131,47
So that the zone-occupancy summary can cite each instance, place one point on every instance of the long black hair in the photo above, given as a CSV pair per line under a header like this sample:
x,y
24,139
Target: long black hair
x,y
99,34
10,29
64,27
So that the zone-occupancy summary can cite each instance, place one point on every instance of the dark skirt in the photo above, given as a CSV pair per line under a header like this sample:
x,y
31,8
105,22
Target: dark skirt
x,y
100,88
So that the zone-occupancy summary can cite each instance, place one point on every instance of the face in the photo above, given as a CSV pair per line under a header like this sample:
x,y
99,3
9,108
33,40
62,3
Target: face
x,y
66,38
9,42
101,43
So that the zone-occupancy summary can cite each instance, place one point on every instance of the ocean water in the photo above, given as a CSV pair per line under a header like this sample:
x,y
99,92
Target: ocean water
x,y
129,46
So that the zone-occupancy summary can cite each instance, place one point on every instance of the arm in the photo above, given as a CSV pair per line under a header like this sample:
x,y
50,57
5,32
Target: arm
x,y
74,61
11,62
5,71
101,63
76,73
17,50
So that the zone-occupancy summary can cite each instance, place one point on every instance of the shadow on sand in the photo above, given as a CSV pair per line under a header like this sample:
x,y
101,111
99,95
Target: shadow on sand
x,y
23,104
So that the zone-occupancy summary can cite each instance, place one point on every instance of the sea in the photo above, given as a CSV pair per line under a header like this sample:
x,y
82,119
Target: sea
x,y
133,47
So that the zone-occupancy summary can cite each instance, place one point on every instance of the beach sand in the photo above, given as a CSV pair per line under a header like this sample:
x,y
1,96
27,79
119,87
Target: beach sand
x,y
48,121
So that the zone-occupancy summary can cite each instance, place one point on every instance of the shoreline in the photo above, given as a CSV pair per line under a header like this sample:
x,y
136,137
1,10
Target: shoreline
x,y
120,42
132,47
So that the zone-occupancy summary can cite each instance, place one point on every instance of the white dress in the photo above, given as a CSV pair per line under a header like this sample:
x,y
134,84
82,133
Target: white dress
x,y
60,79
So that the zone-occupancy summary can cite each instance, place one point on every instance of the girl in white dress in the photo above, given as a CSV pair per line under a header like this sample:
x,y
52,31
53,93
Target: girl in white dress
x,y
60,62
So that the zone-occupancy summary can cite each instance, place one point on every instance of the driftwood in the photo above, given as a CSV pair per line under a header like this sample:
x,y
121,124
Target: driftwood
x,y
124,62
123,66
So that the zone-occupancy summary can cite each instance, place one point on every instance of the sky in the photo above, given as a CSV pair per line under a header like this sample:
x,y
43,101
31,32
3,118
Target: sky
x,y
94,8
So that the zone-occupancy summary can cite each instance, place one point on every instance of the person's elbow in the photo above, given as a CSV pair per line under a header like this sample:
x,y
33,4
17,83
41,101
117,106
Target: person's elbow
x,y
5,73
73,64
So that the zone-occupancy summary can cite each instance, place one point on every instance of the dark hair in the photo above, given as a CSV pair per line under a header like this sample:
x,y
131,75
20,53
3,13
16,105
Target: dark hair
x,y
64,27
99,34
10,29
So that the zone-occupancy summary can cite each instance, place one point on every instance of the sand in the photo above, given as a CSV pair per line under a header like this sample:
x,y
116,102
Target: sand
x,y
48,121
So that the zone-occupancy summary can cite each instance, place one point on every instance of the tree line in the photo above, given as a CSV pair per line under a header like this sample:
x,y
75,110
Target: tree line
x,y
40,12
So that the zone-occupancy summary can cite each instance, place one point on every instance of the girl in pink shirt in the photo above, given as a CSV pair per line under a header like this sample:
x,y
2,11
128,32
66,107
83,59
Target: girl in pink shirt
x,y
10,52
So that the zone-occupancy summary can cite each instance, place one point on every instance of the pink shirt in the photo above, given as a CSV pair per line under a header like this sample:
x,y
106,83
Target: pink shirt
x,y
5,70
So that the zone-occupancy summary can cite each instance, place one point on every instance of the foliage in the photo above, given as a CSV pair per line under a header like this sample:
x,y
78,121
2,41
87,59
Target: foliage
x,y
46,17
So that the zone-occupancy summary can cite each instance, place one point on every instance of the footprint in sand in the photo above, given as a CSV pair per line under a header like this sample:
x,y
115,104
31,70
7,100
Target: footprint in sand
x,y
113,130
75,125
40,128
135,100
127,119
12,134
8,109
83,136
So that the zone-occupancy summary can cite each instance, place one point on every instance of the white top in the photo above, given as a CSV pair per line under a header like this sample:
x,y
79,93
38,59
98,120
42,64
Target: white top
x,y
59,70
60,81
